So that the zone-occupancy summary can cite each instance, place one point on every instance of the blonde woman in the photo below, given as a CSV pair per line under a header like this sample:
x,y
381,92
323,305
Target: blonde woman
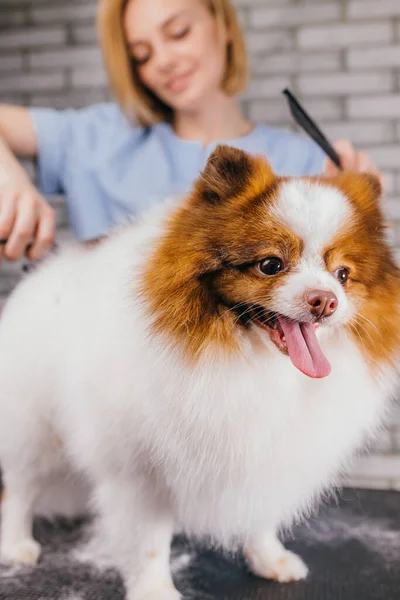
x,y
176,68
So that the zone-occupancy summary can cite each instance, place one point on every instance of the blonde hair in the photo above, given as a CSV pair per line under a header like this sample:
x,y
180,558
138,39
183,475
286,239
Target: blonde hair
x,y
135,99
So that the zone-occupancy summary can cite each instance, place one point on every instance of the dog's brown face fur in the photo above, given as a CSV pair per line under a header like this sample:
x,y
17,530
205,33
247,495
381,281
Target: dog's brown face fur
x,y
204,275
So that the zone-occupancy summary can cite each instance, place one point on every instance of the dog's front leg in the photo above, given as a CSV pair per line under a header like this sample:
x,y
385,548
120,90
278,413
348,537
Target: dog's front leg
x,y
268,558
136,522
16,542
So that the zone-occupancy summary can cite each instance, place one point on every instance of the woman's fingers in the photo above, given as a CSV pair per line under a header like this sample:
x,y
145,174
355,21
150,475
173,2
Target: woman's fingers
x,y
45,234
7,216
351,160
27,222
24,226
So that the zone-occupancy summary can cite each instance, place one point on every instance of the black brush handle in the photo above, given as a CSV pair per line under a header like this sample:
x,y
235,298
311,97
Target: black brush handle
x,y
304,120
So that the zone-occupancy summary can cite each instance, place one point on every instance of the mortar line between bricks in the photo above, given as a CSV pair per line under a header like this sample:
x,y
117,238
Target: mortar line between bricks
x,y
396,24
344,10
25,61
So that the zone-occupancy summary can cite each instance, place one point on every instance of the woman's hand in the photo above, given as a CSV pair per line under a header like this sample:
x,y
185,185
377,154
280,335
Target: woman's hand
x,y
27,221
351,160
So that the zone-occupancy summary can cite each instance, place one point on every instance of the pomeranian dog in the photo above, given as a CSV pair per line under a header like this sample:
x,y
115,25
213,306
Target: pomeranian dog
x,y
214,365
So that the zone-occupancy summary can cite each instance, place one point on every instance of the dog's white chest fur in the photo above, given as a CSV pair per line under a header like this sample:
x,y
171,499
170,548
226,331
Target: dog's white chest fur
x,y
244,447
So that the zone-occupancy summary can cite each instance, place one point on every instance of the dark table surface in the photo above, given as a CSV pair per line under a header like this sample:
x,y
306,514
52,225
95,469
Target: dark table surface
x,y
352,548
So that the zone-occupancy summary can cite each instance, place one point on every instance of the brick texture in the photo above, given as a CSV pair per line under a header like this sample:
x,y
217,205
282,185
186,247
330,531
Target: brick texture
x,y
342,57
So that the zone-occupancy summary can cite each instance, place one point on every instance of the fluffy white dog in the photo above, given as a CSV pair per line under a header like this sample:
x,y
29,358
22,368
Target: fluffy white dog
x,y
213,365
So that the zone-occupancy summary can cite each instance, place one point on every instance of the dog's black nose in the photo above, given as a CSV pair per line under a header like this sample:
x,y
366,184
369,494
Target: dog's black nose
x,y
321,303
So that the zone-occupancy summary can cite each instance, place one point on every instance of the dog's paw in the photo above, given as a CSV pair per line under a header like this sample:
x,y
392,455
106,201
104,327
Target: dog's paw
x,y
284,567
94,554
25,552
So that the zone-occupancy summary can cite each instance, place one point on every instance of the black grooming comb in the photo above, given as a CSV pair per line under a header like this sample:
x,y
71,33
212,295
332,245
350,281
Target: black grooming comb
x,y
305,121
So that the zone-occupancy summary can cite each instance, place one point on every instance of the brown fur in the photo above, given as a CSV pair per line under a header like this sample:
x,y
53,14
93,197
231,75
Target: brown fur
x,y
204,263
204,266
374,282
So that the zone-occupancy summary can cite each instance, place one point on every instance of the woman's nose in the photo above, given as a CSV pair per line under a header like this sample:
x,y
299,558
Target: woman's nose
x,y
164,58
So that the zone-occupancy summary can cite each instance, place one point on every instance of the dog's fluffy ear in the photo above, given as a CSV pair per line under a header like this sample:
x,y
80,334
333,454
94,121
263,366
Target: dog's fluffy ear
x,y
373,184
227,174
365,189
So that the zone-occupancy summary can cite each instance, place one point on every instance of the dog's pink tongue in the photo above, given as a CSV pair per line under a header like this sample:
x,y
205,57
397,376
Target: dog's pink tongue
x,y
304,349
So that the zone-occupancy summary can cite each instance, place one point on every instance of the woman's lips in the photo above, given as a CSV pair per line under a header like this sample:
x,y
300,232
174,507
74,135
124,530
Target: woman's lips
x,y
179,82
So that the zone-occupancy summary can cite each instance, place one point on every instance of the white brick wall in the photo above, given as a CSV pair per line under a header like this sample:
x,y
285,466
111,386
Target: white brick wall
x,y
292,15
385,57
268,42
341,56
56,59
340,84
29,38
375,106
33,82
11,63
345,34
363,9
62,14
290,62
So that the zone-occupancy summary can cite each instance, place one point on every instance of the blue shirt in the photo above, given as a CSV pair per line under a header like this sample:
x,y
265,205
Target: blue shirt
x,y
109,169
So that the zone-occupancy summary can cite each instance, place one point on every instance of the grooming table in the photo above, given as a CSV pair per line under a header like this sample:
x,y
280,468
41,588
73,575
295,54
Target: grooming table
x,y
352,547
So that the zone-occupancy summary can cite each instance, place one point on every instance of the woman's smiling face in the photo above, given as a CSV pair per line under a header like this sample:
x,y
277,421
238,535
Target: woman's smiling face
x,y
178,49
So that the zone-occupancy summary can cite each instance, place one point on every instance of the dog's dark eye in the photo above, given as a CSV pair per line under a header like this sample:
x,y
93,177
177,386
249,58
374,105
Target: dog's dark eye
x,y
342,275
270,266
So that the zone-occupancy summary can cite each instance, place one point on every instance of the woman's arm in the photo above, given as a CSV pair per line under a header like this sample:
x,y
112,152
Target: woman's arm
x,y
26,219
17,130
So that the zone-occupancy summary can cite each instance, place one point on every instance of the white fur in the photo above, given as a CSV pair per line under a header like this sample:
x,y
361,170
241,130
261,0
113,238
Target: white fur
x,y
310,275
316,214
232,449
